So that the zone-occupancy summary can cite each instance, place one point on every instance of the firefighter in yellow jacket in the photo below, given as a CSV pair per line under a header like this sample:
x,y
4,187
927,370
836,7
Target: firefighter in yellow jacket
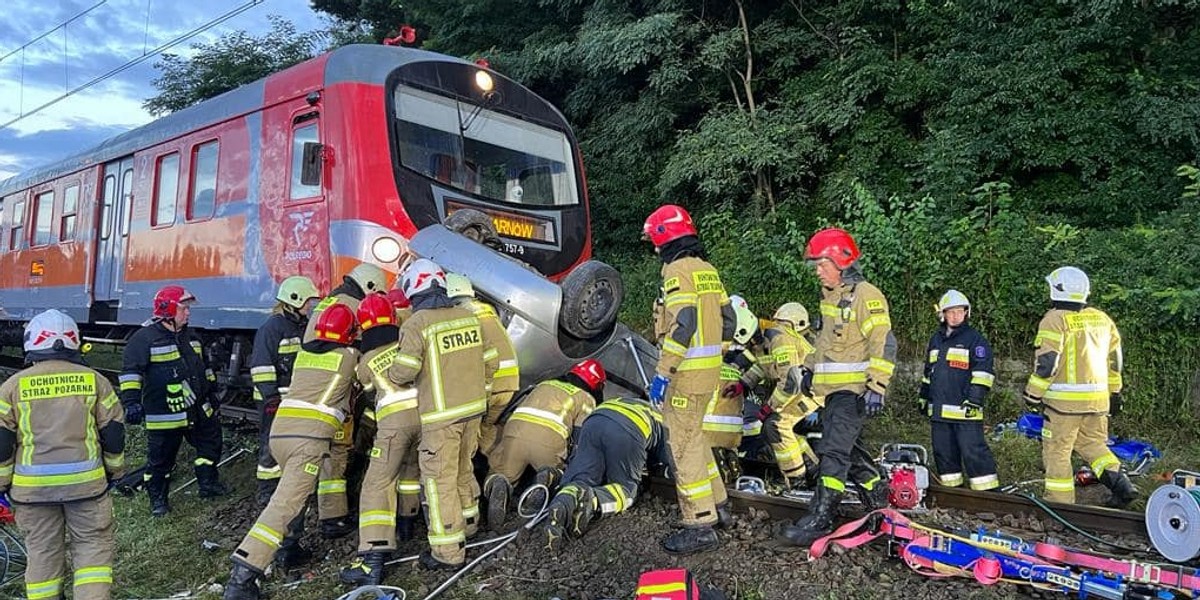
x,y
449,356
312,411
62,439
698,322
1076,383
852,364
507,378
393,465
538,434
723,421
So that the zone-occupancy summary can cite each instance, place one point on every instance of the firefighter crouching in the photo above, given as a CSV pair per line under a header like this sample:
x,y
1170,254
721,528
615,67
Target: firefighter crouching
x,y
958,376
538,433
165,381
606,466
308,417
449,356
723,422
275,346
61,441
507,378
699,320
1076,383
393,465
852,363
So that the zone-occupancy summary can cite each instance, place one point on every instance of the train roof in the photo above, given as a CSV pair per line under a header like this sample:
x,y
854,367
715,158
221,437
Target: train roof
x,y
361,63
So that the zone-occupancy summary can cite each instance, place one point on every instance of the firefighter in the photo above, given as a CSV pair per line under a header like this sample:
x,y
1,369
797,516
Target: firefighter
x,y
851,365
958,376
393,465
447,353
62,440
698,320
723,421
784,352
602,477
1076,384
507,379
363,279
165,381
309,415
275,348
538,433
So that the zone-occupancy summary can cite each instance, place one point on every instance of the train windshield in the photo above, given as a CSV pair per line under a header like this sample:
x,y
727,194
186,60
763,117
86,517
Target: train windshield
x,y
483,152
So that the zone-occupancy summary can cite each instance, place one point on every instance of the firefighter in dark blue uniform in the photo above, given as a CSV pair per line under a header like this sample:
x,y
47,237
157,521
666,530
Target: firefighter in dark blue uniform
x,y
165,381
275,348
958,376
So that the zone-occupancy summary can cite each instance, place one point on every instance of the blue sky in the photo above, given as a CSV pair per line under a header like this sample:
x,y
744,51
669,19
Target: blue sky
x,y
96,43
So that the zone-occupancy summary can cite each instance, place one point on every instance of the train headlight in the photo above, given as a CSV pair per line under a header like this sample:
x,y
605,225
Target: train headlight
x,y
386,249
484,81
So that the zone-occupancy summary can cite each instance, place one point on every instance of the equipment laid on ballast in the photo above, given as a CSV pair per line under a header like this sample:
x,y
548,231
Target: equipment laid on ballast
x,y
905,468
1136,455
1173,517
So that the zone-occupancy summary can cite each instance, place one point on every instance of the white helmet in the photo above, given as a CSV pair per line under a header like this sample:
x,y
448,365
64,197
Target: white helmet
x,y
747,323
951,299
420,276
296,290
369,278
458,286
1069,284
793,314
51,330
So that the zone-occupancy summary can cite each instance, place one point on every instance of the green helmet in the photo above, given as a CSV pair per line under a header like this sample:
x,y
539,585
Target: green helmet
x,y
747,323
369,278
296,290
458,286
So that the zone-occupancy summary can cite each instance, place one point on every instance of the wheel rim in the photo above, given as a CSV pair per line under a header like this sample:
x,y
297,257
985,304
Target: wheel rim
x,y
596,302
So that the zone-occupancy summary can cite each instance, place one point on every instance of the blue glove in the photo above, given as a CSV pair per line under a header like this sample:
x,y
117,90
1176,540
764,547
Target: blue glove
x,y
135,414
874,402
4,500
813,419
658,390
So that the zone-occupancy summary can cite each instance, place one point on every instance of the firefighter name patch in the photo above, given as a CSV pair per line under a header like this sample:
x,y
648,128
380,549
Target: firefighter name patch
x,y
958,358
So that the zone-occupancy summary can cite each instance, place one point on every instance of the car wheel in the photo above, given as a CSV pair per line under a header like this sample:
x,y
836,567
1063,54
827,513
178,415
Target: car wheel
x,y
592,295
474,225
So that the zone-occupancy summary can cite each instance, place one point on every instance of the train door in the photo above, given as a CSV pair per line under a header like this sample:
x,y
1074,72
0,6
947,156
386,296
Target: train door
x,y
116,202
295,217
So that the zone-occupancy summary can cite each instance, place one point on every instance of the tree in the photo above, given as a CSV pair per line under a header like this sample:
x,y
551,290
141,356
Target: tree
x,y
233,60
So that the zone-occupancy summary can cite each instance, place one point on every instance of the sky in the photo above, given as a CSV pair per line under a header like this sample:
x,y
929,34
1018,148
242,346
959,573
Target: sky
x,y
105,38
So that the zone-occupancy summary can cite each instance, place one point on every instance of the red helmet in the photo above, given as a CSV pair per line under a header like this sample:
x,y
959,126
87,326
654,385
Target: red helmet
x,y
336,324
669,222
398,299
591,372
834,244
376,310
168,299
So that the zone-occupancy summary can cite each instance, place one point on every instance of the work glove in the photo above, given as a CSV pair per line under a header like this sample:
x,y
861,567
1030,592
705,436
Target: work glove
x,y
658,390
271,405
874,402
971,409
740,359
1114,404
813,419
770,424
134,414
923,405
1033,405
734,389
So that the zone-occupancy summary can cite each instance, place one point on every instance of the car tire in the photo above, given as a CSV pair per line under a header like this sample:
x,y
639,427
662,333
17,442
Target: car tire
x,y
474,225
592,295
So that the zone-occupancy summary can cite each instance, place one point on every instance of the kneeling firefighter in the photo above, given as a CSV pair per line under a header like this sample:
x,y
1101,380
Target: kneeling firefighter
x,y
723,422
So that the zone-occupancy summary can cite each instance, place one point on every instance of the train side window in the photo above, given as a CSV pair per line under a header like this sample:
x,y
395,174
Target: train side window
x,y
126,202
300,135
166,190
70,207
43,218
18,225
106,212
203,195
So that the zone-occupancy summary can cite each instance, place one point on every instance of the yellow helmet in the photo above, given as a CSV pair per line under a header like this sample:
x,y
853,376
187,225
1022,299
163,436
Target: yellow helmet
x,y
792,314
296,290
369,278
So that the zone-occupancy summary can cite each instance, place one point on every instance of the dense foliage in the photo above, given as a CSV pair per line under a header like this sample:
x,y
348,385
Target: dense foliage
x,y
975,145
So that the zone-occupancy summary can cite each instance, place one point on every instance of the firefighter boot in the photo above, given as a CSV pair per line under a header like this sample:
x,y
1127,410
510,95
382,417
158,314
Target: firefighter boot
x,y
156,489
291,554
818,522
729,465
724,516
561,511
367,569
332,529
266,488
243,583
548,477
691,540
1123,490
427,561
210,485
875,497
498,491
405,528
584,511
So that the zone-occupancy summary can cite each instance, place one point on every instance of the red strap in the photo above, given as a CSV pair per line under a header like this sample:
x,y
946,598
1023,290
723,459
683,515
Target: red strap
x,y
890,523
1177,577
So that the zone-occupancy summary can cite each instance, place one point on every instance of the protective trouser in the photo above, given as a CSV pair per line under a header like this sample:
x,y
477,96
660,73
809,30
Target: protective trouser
x,y
1086,434
962,446
451,491
331,488
489,432
609,459
89,523
301,459
393,468
203,433
694,467
841,431
723,423
268,468
793,454
514,454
